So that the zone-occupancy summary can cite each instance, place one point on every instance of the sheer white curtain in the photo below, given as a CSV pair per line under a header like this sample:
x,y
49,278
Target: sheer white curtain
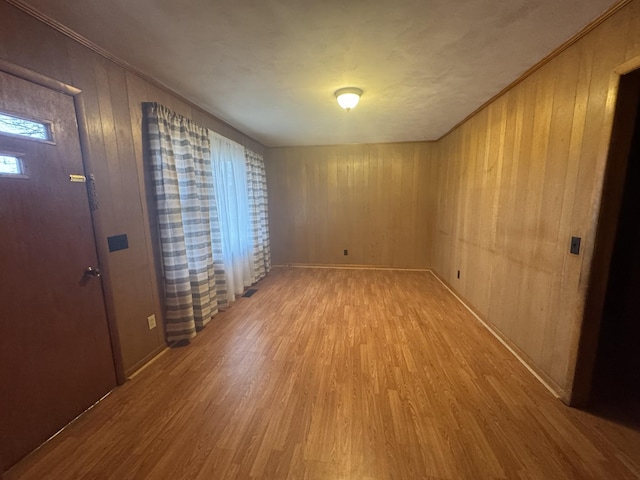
x,y
232,198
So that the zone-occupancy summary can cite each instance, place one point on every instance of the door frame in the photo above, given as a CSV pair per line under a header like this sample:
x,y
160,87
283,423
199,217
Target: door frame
x,y
81,117
617,153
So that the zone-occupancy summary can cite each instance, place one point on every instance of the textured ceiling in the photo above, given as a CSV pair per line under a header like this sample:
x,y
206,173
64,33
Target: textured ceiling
x,y
270,67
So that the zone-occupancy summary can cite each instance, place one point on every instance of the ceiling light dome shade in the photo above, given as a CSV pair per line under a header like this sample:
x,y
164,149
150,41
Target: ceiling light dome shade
x,y
348,97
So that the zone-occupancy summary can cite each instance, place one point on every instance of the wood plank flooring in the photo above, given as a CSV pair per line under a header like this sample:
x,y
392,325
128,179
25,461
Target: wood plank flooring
x,y
338,374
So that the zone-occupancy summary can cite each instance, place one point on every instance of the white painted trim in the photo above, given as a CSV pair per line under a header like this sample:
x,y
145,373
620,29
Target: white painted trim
x,y
352,267
506,345
143,367
482,322
65,427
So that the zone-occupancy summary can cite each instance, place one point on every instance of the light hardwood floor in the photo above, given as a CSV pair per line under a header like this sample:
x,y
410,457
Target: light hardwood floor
x,y
338,374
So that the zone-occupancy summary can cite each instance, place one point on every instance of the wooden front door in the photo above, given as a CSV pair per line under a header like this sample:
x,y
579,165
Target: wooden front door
x,y
55,352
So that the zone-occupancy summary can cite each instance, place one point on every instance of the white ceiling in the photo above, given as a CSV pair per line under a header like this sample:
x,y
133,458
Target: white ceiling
x,y
270,67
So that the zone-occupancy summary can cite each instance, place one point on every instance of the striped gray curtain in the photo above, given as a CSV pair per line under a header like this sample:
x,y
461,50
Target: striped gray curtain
x,y
257,189
188,221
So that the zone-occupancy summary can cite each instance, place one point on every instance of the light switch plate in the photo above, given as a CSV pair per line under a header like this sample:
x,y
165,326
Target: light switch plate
x,y
152,321
575,245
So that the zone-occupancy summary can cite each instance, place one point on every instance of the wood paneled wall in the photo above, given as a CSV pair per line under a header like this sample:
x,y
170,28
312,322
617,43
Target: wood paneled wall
x,y
368,199
516,181
111,99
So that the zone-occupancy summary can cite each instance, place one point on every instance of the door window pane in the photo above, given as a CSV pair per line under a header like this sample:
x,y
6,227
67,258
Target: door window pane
x,y
24,128
10,165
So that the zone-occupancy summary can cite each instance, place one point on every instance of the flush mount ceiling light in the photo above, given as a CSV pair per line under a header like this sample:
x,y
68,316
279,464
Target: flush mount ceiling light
x,y
348,97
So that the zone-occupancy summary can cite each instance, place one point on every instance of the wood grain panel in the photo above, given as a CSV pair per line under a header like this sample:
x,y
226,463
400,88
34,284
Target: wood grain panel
x,y
372,200
516,181
111,100
338,373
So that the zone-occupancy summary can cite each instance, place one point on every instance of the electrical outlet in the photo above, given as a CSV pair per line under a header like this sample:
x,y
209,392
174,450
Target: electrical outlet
x,y
346,252
151,319
458,273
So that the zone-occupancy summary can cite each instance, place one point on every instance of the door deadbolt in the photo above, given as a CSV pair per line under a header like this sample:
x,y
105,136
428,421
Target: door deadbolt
x,y
92,272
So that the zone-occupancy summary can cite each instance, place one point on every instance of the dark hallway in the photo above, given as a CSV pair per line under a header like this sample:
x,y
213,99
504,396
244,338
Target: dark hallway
x,y
616,387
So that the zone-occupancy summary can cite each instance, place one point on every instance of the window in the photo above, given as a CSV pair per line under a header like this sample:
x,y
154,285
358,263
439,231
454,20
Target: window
x,y
21,127
11,165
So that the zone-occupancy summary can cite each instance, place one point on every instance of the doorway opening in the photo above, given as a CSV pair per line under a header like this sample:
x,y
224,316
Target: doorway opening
x,y
615,383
